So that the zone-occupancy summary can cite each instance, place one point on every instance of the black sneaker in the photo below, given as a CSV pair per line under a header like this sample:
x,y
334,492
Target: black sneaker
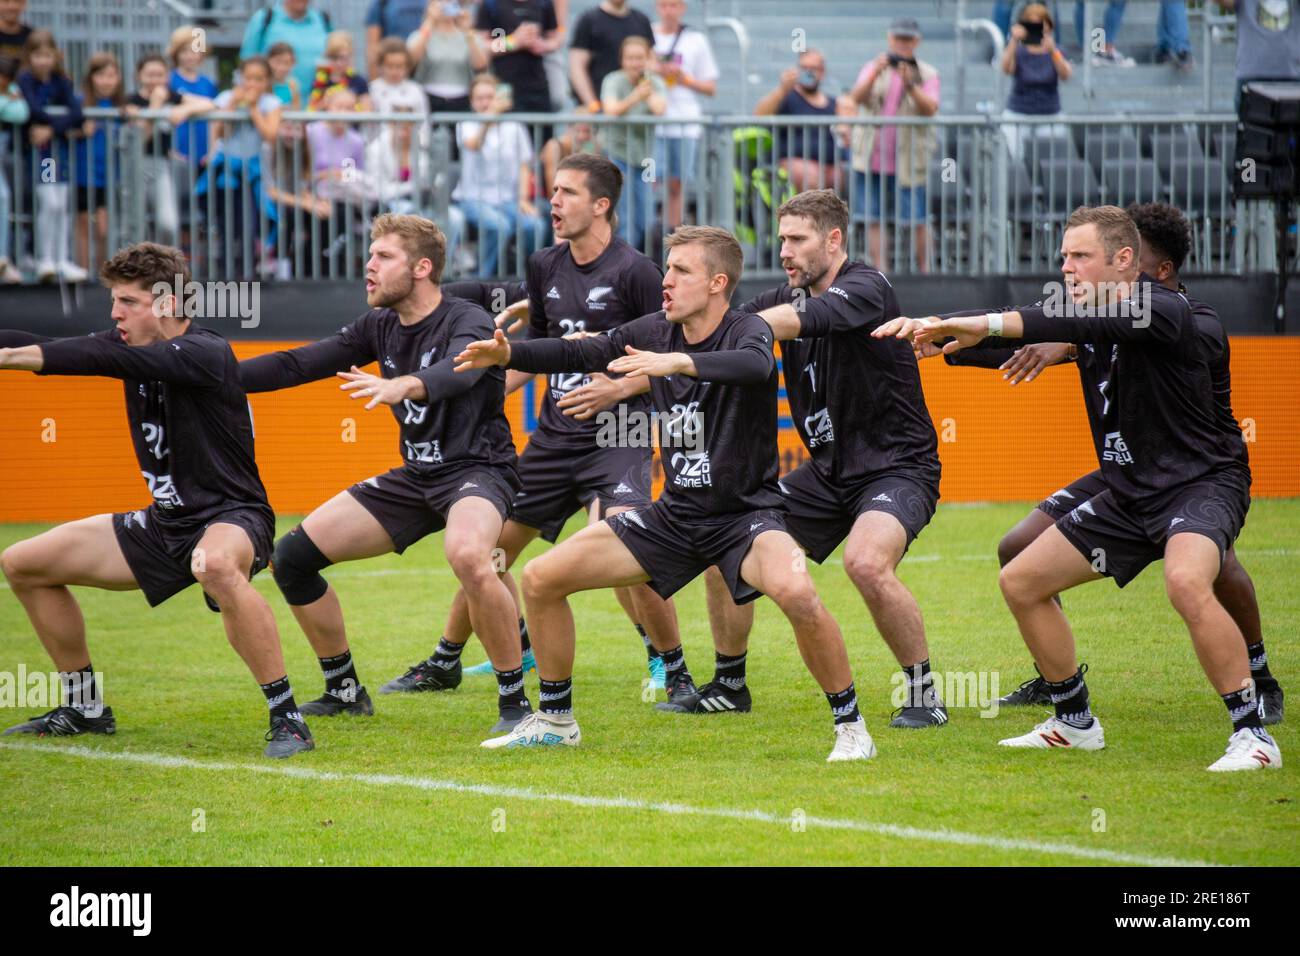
x,y
712,698
914,718
425,675
1271,704
287,737
679,686
67,722
510,716
1031,693
331,705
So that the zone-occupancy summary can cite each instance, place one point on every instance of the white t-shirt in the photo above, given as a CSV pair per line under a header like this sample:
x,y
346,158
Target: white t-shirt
x,y
694,55
491,173
387,98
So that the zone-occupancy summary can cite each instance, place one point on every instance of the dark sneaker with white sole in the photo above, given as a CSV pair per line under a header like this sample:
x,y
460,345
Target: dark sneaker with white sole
x,y
510,717
67,722
287,737
1031,693
679,686
425,675
330,705
711,698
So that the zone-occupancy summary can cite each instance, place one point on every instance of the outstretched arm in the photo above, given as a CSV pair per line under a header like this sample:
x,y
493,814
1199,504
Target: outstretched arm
x,y
307,363
184,360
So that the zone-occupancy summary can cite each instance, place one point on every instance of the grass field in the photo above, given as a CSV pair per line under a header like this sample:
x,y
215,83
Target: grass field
x,y
412,786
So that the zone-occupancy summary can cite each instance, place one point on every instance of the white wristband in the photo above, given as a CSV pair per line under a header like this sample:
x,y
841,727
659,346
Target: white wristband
x,y
995,323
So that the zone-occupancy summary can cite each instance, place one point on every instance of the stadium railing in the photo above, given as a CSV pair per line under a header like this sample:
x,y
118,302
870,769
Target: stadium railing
x,y
997,193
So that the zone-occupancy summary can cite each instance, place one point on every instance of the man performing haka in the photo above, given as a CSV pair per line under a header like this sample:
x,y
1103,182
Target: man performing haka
x,y
1176,475
713,382
1165,237
590,281
873,474
209,521
458,468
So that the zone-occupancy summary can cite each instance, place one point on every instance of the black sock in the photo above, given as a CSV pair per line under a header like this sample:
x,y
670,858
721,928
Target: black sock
x,y
279,698
340,676
920,685
650,651
510,688
1070,698
80,692
446,655
675,663
524,643
1264,679
729,671
556,696
1243,708
844,705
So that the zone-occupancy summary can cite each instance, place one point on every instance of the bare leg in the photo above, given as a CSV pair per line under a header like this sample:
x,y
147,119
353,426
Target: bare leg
x,y
1236,592
770,567
657,616
1191,566
875,245
874,548
39,570
514,538
473,528
730,622
1048,566
221,564
592,558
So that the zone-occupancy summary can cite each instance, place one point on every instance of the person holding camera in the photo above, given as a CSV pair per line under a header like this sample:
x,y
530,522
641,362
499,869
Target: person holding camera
x,y
1037,66
890,162
806,153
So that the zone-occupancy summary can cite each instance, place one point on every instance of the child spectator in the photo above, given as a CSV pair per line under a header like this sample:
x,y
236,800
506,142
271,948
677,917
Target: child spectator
x,y
396,170
394,89
45,84
186,52
237,156
13,112
337,150
577,138
283,83
102,87
337,72
153,93
13,32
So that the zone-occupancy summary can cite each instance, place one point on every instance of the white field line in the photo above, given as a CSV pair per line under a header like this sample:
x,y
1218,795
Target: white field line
x,y
956,837
990,556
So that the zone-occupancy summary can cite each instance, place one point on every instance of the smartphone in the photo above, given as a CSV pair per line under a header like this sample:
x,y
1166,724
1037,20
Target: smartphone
x,y
1033,32
452,9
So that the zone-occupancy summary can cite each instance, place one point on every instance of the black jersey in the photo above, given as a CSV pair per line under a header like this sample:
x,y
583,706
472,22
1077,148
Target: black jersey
x,y
462,421
1159,426
493,296
189,418
718,429
856,401
616,287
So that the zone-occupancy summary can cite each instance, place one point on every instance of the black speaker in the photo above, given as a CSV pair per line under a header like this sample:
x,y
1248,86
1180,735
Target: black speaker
x,y
1268,141
1270,103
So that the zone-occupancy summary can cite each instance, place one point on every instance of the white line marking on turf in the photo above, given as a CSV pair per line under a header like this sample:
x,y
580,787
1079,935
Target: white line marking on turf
x,y
611,803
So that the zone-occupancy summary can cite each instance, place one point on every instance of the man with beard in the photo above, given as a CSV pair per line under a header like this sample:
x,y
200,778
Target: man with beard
x,y
458,469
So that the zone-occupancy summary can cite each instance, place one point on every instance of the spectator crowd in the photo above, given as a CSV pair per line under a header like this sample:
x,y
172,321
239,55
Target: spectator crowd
x,y
269,190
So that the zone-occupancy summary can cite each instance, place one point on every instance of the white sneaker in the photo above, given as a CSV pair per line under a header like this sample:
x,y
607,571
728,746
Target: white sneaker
x,y
45,271
1053,733
8,274
539,730
71,272
852,742
1249,750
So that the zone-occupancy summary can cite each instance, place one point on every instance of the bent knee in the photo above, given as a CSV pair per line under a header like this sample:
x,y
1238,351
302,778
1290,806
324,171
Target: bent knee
x,y
799,602
216,569
1188,592
870,570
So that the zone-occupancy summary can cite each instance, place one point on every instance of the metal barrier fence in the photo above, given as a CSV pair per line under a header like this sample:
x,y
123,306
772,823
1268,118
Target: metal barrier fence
x,y
961,194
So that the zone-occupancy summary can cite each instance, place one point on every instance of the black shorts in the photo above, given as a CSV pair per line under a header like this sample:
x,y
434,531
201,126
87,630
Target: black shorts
x,y
1119,543
554,483
1060,503
159,554
675,551
410,506
821,515
85,194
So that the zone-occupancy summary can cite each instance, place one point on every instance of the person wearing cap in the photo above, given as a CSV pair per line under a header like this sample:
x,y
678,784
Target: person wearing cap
x,y
890,163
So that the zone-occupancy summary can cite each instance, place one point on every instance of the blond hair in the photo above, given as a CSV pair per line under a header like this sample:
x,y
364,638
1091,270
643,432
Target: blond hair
x,y
1115,227
420,237
337,42
722,253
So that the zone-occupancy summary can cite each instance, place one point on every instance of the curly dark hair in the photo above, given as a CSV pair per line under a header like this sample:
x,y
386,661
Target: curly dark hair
x,y
147,263
1164,228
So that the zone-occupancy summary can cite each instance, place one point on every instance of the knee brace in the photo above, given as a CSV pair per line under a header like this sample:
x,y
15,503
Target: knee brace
x,y
297,565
